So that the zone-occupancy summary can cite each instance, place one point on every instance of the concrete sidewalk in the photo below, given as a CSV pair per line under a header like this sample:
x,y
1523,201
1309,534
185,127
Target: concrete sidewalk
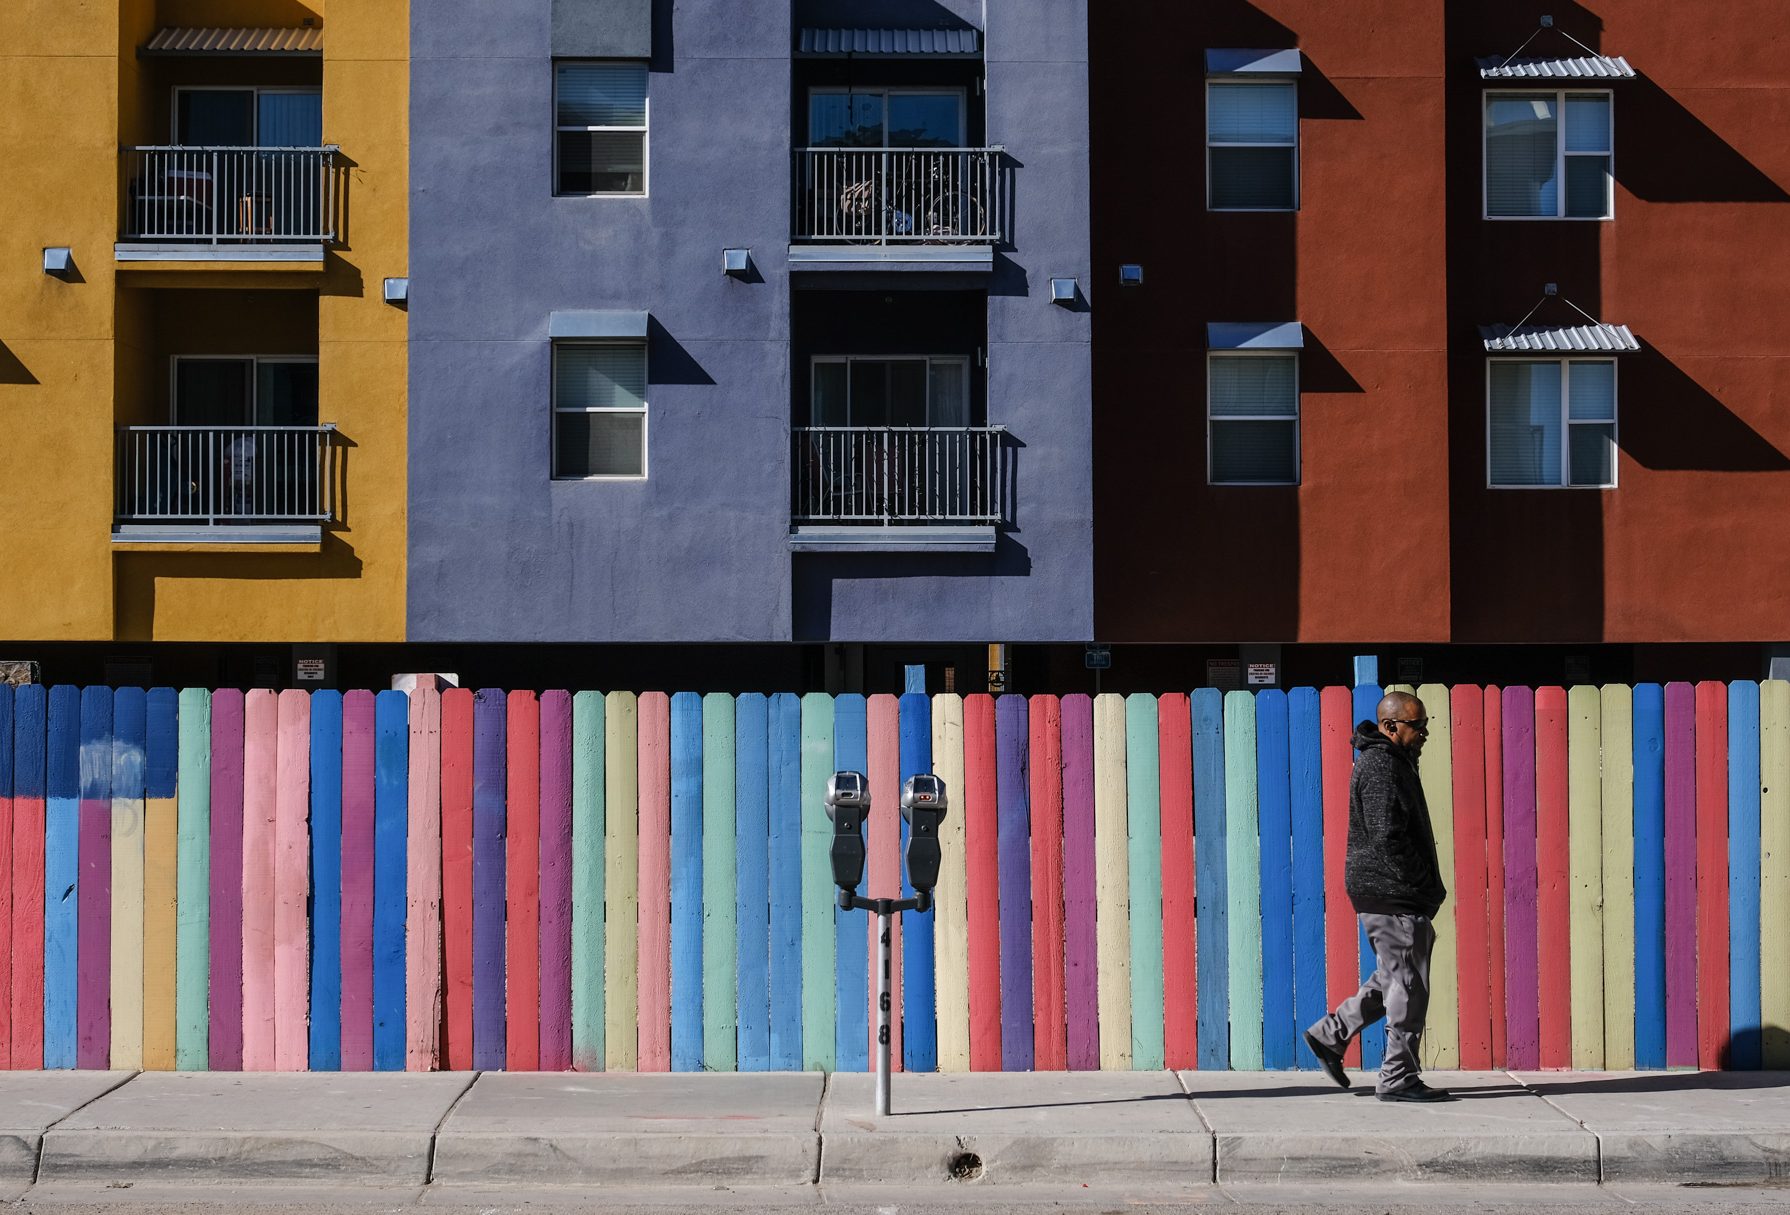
x,y
1155,1129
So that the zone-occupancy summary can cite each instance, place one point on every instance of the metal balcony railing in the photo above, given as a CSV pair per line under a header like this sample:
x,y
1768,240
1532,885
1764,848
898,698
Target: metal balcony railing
x,y
945,196
895,474
223,475
232,195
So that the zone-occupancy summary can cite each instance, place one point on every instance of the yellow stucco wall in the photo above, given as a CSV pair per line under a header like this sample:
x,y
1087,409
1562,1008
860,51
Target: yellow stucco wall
x,y
78,358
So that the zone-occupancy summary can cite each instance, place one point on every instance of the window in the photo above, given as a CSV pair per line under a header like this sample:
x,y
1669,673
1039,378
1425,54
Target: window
x,y
1548,156
1253,426
907,391
1252,145
886,118
600,122
1551,423
599,410
235,391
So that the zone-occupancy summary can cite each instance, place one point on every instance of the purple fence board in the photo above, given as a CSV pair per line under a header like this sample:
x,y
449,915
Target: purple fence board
x,y
1080,968
1522,982
1012,726
490,775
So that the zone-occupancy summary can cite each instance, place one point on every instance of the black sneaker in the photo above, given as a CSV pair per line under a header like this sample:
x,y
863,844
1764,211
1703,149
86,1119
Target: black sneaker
x,y
1417,1090
1331,1062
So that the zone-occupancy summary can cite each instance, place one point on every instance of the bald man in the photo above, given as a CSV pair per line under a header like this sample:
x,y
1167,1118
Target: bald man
x,y
1395,883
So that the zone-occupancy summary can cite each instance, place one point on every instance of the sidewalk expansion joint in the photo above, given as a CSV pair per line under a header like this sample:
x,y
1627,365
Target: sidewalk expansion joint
x,y
434,1135
1597,1140
37,1164
820,1113
1194,1105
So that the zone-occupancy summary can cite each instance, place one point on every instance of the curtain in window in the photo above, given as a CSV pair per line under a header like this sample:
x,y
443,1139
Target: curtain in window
x,y
1254,404
1521,176
289,120
1525,423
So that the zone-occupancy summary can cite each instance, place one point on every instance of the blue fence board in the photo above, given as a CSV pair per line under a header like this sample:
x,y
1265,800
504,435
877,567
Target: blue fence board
x,y
1212,967
1650,875
919,988
326,881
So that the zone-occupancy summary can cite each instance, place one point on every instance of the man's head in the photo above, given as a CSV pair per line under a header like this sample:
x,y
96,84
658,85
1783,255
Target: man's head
x,y
1403,720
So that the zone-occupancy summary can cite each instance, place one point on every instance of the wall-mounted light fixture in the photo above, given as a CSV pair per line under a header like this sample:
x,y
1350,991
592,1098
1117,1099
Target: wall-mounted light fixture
x,y
59,260
397,291
1063,291
1131,275
736,263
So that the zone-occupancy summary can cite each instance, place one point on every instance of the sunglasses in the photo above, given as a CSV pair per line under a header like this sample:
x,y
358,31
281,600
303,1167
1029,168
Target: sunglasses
x,y
1419,724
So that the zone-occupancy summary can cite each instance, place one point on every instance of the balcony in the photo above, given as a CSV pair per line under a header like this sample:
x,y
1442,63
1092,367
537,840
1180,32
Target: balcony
x,y
226,484
943,206
230,203
881,488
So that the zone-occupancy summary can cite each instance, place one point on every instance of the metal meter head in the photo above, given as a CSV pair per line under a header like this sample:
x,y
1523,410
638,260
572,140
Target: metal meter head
x,y
848,802
923,805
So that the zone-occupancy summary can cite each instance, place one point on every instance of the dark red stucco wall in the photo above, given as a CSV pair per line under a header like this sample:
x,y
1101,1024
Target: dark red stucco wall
x,y
1392,535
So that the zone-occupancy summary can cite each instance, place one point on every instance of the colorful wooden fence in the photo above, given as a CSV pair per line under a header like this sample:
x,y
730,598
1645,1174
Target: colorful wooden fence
x,y
362,881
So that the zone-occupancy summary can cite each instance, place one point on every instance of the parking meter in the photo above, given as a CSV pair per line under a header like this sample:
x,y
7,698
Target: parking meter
x,y
848,802
923,806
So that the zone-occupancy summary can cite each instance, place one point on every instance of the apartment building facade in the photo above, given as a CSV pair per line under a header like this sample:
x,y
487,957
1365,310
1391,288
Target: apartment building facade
x,y
205,378
759,324
1469,313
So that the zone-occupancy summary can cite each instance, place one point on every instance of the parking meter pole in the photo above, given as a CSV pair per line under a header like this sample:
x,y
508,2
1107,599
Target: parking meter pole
x,y
883,1012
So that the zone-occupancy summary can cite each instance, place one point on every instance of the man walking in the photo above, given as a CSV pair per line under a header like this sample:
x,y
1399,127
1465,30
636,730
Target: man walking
x,y
1395,883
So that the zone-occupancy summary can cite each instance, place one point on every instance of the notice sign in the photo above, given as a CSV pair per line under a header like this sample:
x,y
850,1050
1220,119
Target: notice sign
x,y
310,670
1263,674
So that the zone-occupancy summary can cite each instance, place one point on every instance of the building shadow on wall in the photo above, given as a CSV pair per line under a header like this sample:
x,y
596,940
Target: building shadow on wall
x,y
1671,422
12,369
812,611
1666,154
668,362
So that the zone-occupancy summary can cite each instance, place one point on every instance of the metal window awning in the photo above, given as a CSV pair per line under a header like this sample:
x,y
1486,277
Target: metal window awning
x,y
1582,67
1254,63
254,43
1255,335
937,44
1559,339
597,324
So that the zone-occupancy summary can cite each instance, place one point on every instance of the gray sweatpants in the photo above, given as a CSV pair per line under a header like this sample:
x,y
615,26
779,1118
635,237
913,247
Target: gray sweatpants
x,y
1399,990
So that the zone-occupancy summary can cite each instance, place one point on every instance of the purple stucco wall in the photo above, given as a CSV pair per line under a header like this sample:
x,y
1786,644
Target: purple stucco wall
x,y
699,551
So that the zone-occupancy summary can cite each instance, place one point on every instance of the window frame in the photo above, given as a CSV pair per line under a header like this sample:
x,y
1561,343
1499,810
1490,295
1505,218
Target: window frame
x,y
962,360
1296,420
1614,422
1254,82
1560,157
554,409
254,361
644,130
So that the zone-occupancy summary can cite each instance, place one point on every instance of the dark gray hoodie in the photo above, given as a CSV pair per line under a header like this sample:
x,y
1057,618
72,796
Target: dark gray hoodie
x,y
1391,867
